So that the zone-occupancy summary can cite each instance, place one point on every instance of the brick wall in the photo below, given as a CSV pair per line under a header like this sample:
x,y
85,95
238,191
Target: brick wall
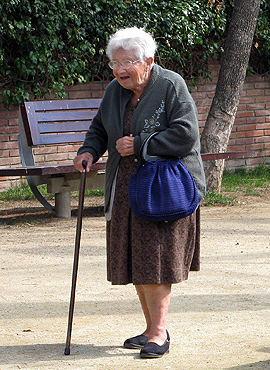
x,y
251,131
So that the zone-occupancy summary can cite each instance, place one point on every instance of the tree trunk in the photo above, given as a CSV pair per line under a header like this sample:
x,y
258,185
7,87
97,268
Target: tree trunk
x,y
218,126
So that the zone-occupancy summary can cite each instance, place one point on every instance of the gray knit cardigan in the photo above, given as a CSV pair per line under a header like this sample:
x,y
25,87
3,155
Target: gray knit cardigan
x,y
165,106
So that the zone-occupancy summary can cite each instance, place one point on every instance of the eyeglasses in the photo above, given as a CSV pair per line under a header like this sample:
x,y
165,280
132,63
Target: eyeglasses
x,y
126,64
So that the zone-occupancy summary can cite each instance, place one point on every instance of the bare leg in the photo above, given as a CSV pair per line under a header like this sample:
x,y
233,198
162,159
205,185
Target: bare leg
x,y
146,312
155,300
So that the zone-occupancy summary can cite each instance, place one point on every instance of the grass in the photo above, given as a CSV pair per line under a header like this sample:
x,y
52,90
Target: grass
x,y
240,182
246,183
23,192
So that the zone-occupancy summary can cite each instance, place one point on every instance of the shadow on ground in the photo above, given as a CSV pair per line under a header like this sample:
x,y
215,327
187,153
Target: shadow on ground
x,y
35,215
55,352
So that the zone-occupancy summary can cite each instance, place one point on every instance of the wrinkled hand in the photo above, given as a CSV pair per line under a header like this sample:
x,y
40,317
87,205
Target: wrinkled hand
x,y
78,161
125,145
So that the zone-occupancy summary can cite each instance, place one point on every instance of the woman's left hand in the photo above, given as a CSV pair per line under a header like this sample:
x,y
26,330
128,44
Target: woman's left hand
x,y
125,145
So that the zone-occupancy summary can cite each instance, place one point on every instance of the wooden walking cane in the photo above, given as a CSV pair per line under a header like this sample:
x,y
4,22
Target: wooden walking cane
x,y
76,257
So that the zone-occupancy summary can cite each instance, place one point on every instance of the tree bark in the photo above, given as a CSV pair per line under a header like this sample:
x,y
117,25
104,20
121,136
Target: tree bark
x,y
234,63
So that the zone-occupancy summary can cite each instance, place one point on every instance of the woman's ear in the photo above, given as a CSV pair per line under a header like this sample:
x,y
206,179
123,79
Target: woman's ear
x,y
149,62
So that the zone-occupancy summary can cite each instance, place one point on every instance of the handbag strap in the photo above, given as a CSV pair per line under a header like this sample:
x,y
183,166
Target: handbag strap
x,y
152,158
143,153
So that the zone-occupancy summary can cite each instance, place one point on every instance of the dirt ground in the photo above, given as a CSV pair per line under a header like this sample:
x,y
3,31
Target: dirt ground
x,y
218,319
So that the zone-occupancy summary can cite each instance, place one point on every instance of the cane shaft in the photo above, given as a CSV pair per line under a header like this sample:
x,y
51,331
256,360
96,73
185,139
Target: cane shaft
x,y
76,260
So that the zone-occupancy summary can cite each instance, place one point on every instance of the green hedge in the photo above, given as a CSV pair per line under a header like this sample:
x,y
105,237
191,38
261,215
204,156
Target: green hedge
x,y
45,45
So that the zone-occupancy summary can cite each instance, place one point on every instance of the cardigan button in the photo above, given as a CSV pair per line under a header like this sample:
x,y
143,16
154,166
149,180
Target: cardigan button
x,y
135,160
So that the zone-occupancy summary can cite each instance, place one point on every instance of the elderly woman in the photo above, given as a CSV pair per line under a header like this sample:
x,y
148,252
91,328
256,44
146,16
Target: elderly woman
x,y
144,98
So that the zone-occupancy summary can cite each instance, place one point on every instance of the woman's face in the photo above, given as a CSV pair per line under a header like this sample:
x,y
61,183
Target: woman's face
x,y
136,76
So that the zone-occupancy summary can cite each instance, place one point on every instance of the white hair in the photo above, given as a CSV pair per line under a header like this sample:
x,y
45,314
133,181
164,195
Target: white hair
x,y
132,39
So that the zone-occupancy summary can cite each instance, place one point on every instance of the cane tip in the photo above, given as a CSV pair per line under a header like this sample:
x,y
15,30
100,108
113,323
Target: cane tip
x,y
67,351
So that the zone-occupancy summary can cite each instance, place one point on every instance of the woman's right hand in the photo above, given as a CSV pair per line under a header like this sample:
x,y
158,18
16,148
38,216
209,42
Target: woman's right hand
x,y
83,157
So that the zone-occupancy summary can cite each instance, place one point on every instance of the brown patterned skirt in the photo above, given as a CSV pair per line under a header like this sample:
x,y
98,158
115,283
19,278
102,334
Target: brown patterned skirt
x,y
144,252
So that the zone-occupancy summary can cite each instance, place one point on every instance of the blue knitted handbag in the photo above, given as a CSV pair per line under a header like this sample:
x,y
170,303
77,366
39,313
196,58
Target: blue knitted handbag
x,y
162,190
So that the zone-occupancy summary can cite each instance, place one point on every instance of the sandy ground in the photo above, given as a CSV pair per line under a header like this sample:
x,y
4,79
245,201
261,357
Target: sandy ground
x,y
218,319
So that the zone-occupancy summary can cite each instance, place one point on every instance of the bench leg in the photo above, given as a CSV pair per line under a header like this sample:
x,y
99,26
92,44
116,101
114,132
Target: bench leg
x,y
62,203
39,196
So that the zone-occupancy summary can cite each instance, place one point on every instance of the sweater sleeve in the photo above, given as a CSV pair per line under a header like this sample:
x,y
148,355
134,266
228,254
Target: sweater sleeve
x,y
96,138
182,133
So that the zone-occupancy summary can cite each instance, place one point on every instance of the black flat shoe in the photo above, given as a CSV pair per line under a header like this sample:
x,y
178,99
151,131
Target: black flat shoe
x,y
153,350
136,342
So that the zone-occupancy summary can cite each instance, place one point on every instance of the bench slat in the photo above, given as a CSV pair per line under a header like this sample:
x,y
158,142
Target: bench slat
x,y
64,104
47,170
66,116
227,155
64,127
64,138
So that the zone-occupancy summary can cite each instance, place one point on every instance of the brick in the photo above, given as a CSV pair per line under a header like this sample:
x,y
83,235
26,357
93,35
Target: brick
x,y
240,121
203,117
202,109
245,141
53,158
262,85
241,107
262,139
263,126
254,161
13,137
265,112
200,96
235,163
255,92
39,159
13,122
6,114
255,106
95,86
8,161
73,88
254,133
45,150
258,146
8,129
248,86
79,94
67,149
8,145
245,114
247,100
236,148
250,127
14,153
3,122
253,78
237,135
204,103
260,99
97,94
207,88
255,120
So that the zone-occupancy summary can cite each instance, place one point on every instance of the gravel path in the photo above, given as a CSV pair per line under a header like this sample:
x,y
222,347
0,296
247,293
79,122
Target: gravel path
x,y
218,319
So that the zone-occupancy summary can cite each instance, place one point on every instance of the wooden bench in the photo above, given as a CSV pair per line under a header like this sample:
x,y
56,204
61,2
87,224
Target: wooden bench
x,y
43,123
